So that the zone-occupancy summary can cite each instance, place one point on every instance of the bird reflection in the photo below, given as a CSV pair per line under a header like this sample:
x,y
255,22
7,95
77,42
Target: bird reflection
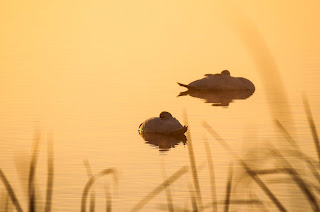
x,y
219,97
163,142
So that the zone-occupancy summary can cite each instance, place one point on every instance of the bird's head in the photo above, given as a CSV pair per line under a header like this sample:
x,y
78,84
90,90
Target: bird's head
x,y
165,115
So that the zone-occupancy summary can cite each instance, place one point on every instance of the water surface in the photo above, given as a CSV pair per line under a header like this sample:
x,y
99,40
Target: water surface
x,y
89,74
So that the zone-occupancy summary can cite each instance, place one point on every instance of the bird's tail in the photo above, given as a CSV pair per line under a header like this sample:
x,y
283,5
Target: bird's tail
x,y
183,93
183,85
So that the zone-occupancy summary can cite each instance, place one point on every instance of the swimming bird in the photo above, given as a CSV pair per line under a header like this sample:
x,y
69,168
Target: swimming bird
x,y
222,81
164,124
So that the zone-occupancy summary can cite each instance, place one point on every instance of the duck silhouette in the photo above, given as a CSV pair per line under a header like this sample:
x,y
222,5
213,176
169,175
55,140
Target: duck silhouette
x,y
164,124
220,82
219,89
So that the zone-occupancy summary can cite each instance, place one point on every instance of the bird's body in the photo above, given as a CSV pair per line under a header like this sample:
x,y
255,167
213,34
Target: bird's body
x,y
164,124
218,82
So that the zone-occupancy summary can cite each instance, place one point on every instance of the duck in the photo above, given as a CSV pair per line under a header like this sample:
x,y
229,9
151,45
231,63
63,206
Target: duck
x,y
220,82
164,124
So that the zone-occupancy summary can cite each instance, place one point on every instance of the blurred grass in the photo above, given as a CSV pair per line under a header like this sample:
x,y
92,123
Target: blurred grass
x,y
306,180
228,188
167,190
161,187
50,162
92,180
312,126
92,195
212,177
193,165
10,191
32,171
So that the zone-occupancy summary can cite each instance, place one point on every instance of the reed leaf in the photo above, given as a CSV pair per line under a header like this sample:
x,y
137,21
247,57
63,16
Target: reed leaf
x,y
193,199
108,200
250,172
32,172
50,175
92,194
193,164
312,126
228,188
167,190
298,179
298,151
10,191
91,181
212,178
160,188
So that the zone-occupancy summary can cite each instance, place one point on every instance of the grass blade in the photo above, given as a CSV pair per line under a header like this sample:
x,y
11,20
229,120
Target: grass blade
x,y
193,164
161,187
266,65
250,172
6,208
299,181
91,181
312,126
301,155
32,172
304,187
228,188
193,199
286,134
167,190
10,191
50,165
92,195
212,178
108,200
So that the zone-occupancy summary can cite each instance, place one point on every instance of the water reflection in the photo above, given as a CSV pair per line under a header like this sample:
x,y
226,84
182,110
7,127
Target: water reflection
x,y
218,98
163,142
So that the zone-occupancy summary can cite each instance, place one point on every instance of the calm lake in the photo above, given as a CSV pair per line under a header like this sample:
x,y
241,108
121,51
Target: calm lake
x,y
88,74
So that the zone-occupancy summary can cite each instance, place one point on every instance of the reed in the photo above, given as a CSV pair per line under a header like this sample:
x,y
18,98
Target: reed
x,y
297,179
6,203
193,164
312,126
307,186
50,175
10,191
298,152
228,188
250,172
108,200
32,172
92,195
212,177
91,181
238,202
300,182
160,188
167,190
193,199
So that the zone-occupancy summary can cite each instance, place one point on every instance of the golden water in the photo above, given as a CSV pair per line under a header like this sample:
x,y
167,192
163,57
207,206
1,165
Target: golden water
x,y
90,72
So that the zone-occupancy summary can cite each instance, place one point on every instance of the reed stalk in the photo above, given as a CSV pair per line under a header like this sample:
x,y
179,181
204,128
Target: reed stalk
x,y
193,165
50,175
250,172
91,181
160,188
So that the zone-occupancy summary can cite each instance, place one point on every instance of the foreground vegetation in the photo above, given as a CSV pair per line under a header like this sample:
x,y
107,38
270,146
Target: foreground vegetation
x,y
304,176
